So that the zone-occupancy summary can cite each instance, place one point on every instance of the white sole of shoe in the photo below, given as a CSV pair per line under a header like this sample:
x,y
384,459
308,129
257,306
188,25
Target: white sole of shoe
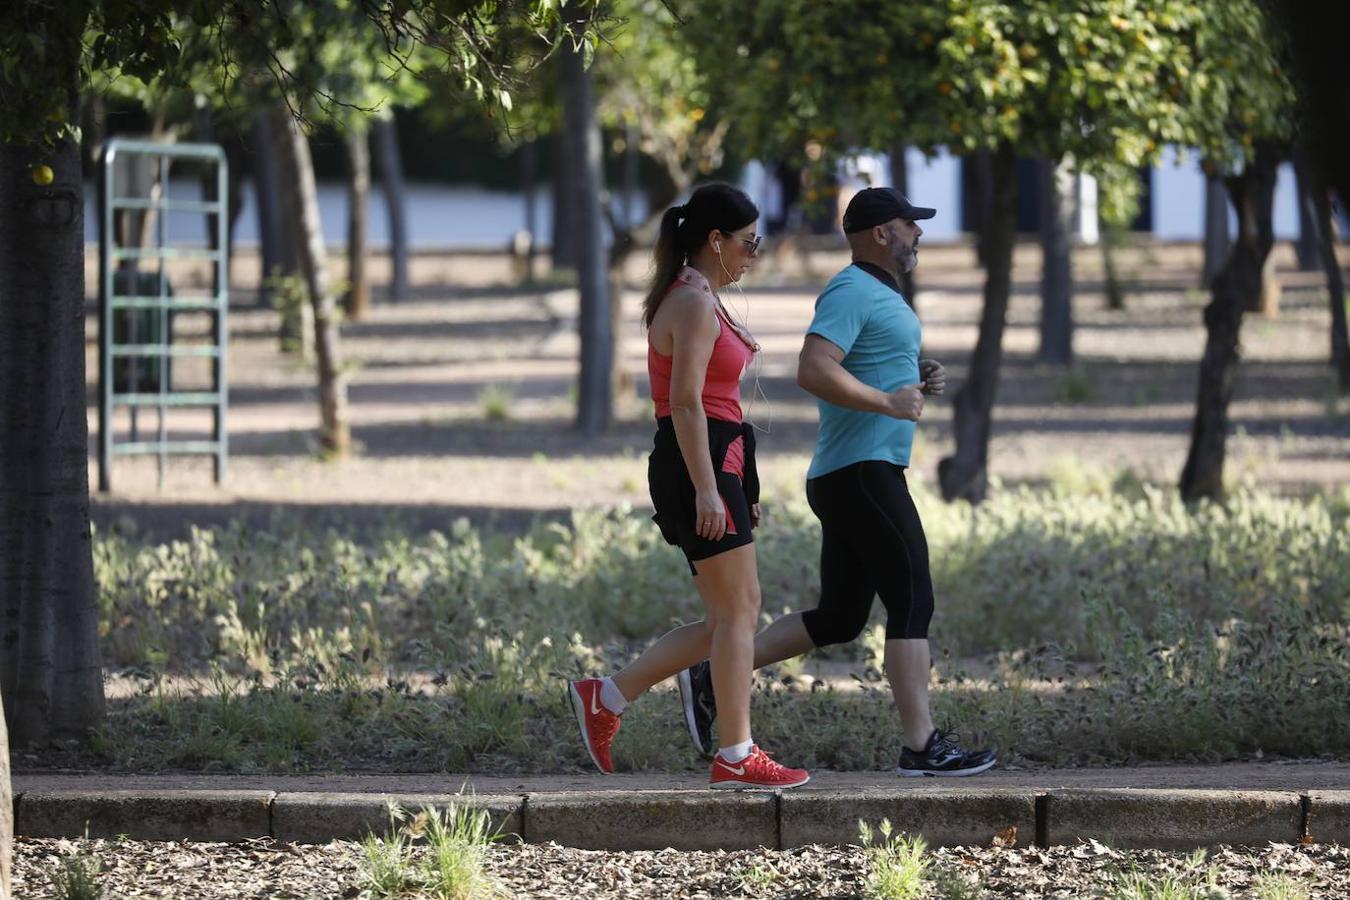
x,y
687,701
579,708
958,773
748,786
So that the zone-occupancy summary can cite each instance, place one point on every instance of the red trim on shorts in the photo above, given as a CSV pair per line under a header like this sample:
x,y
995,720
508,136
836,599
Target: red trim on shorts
x,y
726,511
734,462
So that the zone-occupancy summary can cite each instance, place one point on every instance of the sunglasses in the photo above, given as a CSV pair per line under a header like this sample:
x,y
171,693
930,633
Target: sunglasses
x,y
751,244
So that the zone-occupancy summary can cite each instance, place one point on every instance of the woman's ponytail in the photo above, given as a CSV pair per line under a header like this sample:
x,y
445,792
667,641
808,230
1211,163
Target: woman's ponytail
x,y
668,258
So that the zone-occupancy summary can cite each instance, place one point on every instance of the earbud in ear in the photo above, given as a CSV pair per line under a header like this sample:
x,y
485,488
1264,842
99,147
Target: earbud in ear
x,y
717,247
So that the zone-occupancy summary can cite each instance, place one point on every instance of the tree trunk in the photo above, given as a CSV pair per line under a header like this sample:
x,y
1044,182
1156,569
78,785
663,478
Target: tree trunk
x,y
1236,288
632,137
139,177
93,114
297,171
237,160
1217,242
50,674
622,382
581,135
389,165
1307,249
563,248
981,204
1115,289
6,809
356,303
964,474
267,191
205,127
236,164
1319,217
1268,301
1057,183
529,170
900,181
289,294
1340,341
148,176
623,229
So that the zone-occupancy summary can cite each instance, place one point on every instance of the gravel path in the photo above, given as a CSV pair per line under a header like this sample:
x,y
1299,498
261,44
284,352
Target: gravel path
x,y
265,869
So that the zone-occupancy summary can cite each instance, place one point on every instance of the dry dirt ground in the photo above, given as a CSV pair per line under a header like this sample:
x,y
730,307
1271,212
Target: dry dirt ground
x,y
462,398
265,869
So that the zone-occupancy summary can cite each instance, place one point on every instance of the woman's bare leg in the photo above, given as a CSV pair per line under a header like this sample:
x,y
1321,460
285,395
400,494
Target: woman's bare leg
x,y
728,584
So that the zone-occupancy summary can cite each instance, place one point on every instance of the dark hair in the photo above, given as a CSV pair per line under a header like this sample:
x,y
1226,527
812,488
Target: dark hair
x,y
712,207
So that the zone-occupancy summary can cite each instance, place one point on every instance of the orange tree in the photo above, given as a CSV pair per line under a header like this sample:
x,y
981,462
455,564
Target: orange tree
x,y
1240,102
50,673
1103,83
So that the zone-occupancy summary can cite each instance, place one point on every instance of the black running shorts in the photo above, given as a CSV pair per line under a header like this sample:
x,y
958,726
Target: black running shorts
x,y
672,490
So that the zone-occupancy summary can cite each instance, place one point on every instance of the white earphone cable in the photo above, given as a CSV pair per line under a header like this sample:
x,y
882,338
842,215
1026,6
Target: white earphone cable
x,y
743,322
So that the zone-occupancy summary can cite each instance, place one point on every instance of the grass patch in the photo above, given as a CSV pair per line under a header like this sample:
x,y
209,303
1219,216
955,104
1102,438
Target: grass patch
x,y
1075,386
495,399
1160,632
436,853
1271,886
952,885
77,878
896,863
758,878
1195,881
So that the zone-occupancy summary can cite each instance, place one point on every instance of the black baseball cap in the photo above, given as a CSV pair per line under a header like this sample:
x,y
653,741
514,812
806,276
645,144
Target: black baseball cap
x,y
877,206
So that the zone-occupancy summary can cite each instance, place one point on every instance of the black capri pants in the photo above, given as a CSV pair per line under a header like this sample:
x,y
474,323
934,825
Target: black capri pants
x,y
872,543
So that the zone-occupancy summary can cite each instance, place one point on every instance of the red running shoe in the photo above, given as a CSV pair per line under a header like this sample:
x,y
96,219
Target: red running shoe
x,y
598,724
755,771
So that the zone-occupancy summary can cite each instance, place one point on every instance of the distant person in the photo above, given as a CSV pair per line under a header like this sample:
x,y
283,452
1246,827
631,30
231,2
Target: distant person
x,y
789,181
861,360
703,483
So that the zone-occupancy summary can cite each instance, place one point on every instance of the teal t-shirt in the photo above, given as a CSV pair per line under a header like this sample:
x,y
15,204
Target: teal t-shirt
x,y
880,335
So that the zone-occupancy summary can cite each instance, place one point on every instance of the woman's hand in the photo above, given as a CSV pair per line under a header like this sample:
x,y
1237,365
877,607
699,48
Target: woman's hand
x,y
754,515
711,513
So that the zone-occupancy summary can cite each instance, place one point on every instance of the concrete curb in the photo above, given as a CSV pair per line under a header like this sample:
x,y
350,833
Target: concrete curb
x,y
1174,820
654,820
1327,816
316,818
179,815
946,818
709,820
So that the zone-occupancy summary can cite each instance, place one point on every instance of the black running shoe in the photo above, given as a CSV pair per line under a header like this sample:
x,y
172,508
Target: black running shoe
x,y
700,707
942,756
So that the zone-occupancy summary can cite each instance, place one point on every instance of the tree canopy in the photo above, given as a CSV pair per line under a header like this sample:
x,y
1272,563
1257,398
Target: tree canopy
x,y
47,49
1107,82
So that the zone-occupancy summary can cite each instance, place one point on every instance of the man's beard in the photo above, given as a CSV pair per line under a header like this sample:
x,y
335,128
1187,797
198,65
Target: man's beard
x,y
907,259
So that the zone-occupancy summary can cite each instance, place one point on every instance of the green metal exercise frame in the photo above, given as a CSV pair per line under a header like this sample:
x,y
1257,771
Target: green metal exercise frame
x,y
134,307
